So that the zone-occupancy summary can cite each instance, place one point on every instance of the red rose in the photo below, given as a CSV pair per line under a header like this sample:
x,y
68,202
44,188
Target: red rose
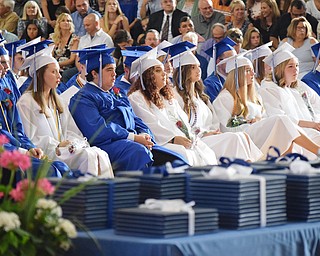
x,y
116,90
179,124
7,90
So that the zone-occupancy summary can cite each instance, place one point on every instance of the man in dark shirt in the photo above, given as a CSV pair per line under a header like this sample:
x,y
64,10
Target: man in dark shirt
x,y
298,8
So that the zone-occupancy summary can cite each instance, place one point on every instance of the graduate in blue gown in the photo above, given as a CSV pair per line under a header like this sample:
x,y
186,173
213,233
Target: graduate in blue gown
x,y
11,125
108,121
312,79
214,82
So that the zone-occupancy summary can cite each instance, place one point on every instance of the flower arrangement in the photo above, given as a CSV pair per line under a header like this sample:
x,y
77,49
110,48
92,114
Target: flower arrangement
x,y
30,222
236,121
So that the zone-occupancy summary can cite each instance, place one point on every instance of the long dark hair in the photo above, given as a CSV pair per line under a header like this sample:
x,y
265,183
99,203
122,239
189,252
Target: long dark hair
x,y
38,95
151,93
25,32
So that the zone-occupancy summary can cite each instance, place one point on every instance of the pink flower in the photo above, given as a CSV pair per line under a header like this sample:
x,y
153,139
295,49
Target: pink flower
x,y
3,139
1,194
45,186
14,159
18,194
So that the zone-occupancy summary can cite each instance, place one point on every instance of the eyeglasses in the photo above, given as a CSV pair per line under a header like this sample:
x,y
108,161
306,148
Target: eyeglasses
x,y
301,28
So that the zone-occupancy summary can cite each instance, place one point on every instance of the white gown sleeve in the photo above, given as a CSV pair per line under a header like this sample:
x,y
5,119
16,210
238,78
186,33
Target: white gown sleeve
x,y
223,106
36,125
158,125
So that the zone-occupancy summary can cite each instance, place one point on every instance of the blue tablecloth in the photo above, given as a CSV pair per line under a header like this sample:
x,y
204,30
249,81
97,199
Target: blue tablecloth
x,y
295,239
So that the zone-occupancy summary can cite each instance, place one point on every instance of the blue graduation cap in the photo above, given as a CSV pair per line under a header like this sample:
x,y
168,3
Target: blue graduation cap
x,y
83,52
2,39
3,51
34,48
12,49
217,49
179,56
316,51
87,50
97,59
134,52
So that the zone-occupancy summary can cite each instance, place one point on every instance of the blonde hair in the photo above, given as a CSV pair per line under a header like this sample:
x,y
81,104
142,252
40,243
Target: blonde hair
x,y
31,3
105,16
293,27
235,3
274,10
56,37
279,74
247,38
246,92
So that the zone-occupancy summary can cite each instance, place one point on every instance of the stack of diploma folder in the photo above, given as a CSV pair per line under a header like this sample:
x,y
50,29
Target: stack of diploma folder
x,y
95,204
157,224
303,200
238,200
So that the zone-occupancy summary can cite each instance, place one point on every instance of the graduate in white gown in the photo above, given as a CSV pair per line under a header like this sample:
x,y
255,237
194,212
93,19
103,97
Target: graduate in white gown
x,y
49,124
152,100
189,92
285,94
238,99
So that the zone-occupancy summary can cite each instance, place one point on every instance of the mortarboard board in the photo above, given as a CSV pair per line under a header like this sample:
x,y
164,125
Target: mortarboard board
x,y
163,44
235,62
3,51
143,63
258,52
134,52
87,50
180,58
281,54
12,49
35,47
97,59
217,49
316,51
2,39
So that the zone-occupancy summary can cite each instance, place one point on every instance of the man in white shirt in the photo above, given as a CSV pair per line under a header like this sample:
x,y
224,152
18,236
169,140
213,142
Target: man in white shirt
x,y
94,36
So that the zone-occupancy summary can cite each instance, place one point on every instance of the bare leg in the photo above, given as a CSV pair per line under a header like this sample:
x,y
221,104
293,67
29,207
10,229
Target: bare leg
x,y
306,143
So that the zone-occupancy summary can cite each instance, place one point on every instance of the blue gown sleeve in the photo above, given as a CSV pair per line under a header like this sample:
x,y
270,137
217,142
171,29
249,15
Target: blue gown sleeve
x,y
87,110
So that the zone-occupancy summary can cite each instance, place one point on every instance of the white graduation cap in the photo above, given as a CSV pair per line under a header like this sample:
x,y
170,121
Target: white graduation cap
x,y
283,53
38,60
162,45
235,62
180,58
256,53
143,63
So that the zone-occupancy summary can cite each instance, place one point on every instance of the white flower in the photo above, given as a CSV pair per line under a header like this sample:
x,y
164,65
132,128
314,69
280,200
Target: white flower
x,y
67,227
48,204
9,221
65,245
43,203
